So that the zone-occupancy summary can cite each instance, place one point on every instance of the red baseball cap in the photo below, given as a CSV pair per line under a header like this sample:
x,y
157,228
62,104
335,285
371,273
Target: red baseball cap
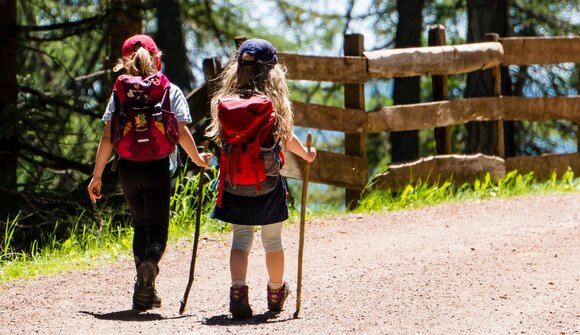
x,y
143,40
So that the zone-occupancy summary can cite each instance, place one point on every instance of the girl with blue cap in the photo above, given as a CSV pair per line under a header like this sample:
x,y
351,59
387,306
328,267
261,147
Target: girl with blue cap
x,y
253,71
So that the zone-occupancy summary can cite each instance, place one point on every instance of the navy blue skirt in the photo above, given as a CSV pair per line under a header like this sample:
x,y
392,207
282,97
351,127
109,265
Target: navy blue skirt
x,y
261,210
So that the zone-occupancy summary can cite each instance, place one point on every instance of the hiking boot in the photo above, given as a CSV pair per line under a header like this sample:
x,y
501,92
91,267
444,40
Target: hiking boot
x,y
156,299
144,294
277,297
239,303
145,298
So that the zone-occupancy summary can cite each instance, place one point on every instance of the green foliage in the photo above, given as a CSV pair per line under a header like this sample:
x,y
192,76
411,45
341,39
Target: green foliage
x,y
6,251
56,109
308,26
322,199
184,204
536,17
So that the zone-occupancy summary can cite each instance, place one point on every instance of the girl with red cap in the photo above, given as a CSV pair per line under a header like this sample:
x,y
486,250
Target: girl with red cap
x,y
146,184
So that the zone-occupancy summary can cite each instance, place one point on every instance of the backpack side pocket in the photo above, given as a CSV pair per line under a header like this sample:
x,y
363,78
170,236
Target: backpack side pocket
x,y
169,120
272,160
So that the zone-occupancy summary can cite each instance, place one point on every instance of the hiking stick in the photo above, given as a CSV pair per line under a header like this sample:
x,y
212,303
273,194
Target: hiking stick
x,y
196,238
305,177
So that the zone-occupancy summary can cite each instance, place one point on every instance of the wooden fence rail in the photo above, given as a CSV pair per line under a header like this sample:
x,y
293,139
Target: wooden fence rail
x,y
437,169
467,168
436,114
321,68
347,120
544,165
455,112
540,50
435,60
439,60
331,169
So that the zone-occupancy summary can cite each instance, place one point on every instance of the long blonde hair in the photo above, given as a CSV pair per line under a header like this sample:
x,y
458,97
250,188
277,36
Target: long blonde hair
x,y
273,86
140,63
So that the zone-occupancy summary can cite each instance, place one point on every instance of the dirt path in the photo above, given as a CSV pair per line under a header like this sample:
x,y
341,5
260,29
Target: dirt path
x,y
488,267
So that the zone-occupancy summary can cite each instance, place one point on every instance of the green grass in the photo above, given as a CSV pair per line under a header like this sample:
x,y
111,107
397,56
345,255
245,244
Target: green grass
x,y
421,194
84,246
184,206
89,244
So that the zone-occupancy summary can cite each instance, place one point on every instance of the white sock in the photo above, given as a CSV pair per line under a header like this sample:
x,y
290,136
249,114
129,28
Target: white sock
x,y
238,283
275,286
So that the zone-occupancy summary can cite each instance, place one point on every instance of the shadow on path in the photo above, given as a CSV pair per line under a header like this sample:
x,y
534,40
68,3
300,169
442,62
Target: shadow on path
x,y
129,315
227,320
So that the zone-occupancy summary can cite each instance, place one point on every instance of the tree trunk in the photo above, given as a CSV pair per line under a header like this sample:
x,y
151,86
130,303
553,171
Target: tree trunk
x,y
405,144
8,96
484,16
126,20
170,40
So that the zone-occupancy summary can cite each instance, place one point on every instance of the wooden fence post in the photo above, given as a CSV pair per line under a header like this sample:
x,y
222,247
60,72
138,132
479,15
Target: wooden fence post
x,y
440,92
239,40
354,97
498,144
211,68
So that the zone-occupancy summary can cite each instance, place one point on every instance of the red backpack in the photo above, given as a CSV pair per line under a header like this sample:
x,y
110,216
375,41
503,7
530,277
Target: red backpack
x,y
250,159
143,127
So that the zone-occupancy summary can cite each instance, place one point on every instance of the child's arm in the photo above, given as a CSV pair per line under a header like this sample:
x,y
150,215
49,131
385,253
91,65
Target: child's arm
x,y
188,144
103,154
295,146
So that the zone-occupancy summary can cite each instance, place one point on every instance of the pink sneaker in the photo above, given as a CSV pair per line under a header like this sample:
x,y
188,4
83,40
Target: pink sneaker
x,y
277,297
239,303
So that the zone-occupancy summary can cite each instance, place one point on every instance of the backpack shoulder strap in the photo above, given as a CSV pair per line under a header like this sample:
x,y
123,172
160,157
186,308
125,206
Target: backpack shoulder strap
x,y
163,80
116,102
118,90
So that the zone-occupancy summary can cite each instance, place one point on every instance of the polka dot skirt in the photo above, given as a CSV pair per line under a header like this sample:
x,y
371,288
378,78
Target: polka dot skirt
x,y
261,210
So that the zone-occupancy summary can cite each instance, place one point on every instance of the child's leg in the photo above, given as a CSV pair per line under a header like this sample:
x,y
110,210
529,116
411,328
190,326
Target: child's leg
x,y
272,242
146,186
157,196
243,237
134,197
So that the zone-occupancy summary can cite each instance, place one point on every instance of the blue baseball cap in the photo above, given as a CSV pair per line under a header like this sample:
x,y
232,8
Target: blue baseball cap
x,y
262,50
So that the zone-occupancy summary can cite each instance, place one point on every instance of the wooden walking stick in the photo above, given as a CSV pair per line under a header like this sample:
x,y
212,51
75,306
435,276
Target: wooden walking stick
x,y
196,238
305,177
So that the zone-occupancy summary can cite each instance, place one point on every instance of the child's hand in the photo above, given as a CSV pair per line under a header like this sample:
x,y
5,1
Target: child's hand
x,y
94,189
205,157
310,155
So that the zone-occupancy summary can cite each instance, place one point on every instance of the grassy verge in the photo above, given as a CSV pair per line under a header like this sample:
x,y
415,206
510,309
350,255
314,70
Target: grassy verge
x,y
421,194
84,246
88,244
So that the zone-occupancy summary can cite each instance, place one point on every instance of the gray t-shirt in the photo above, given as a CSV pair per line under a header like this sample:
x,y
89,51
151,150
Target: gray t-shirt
x,y
179,106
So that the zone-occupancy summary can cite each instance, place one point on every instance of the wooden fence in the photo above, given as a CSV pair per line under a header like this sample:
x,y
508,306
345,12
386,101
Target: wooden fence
x,y
350,170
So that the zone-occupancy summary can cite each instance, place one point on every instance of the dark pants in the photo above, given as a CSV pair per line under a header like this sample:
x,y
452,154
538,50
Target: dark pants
x,y
147,187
